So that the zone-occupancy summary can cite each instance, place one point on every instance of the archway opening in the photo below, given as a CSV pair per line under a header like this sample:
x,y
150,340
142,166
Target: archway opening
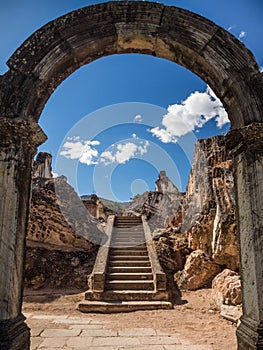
x,y
123,127
136,27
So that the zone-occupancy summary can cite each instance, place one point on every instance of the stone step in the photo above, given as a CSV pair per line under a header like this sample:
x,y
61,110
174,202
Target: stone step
x,y
129,276
127,245
129,252
132,248
129,269
122,306
129,285
125,295
136,230
139,241
134,263
125,228
128,240
139,237
127,218
114,258
127,233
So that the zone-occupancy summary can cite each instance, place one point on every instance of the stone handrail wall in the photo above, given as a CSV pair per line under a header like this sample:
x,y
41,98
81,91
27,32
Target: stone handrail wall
x,y
158,274
99,270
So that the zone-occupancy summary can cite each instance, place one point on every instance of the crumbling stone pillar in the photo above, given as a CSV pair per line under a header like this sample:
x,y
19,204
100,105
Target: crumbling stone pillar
x,y
246,145
18,142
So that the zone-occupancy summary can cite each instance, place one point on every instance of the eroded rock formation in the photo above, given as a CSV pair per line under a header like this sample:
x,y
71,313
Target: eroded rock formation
x,y
160,206
226,289
226,294
205,219
198,272
42,165
208,213
62,237
58,217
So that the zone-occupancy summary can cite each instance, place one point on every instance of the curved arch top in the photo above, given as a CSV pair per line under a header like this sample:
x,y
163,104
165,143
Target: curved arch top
x,y
56,50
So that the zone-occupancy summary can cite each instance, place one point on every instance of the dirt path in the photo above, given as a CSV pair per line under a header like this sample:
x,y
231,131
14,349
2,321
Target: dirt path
x,y
195,320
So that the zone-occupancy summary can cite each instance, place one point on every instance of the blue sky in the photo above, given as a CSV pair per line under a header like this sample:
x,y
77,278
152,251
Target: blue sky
x,y
115,123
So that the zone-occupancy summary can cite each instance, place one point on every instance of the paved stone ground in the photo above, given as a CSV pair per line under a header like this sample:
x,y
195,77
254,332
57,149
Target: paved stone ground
x,y
72,333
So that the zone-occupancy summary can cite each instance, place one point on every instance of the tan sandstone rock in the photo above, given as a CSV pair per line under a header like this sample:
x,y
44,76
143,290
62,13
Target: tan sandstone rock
x,y
208,213
198,271
226,289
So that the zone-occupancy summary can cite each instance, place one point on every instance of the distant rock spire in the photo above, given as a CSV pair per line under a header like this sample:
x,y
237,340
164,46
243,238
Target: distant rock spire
x,y
42,165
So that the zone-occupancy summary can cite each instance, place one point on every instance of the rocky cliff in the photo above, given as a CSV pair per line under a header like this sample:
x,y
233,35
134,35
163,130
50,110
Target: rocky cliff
x,y
58,217
62,238
202,238
208,212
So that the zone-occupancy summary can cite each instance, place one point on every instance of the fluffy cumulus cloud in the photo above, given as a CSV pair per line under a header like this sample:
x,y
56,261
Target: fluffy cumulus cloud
x,y
190,115
84,151
242,34
137,118
123,152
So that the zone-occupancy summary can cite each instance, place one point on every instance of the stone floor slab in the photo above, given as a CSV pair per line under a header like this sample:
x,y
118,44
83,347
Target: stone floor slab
x,y
115,341
87,326
80,342
152,347
48,317
59,333
188,347
35,332
136,332
35,342
99,333
95,348
71,321
53,343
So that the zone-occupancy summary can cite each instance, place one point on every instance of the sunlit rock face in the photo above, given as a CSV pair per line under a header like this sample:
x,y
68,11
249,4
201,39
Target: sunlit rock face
x,y
198,272
208,212
226,294
160,206
42,165
226,289
58,216
62,237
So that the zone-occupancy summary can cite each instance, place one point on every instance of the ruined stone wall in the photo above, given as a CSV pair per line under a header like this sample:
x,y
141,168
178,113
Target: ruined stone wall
x,y
95,207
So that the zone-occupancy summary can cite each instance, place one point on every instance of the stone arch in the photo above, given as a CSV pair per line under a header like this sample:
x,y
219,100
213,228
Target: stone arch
x,y
53,52
59,48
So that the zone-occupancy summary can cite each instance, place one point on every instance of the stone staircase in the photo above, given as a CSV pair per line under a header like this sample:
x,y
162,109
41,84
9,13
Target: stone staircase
x,y
127,275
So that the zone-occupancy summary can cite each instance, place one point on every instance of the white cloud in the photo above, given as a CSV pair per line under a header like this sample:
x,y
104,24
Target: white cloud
x,y
54,175
261,69
134,136
138,118
190,115
242,34
123,152
84,151
107,157
231,27
73,138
